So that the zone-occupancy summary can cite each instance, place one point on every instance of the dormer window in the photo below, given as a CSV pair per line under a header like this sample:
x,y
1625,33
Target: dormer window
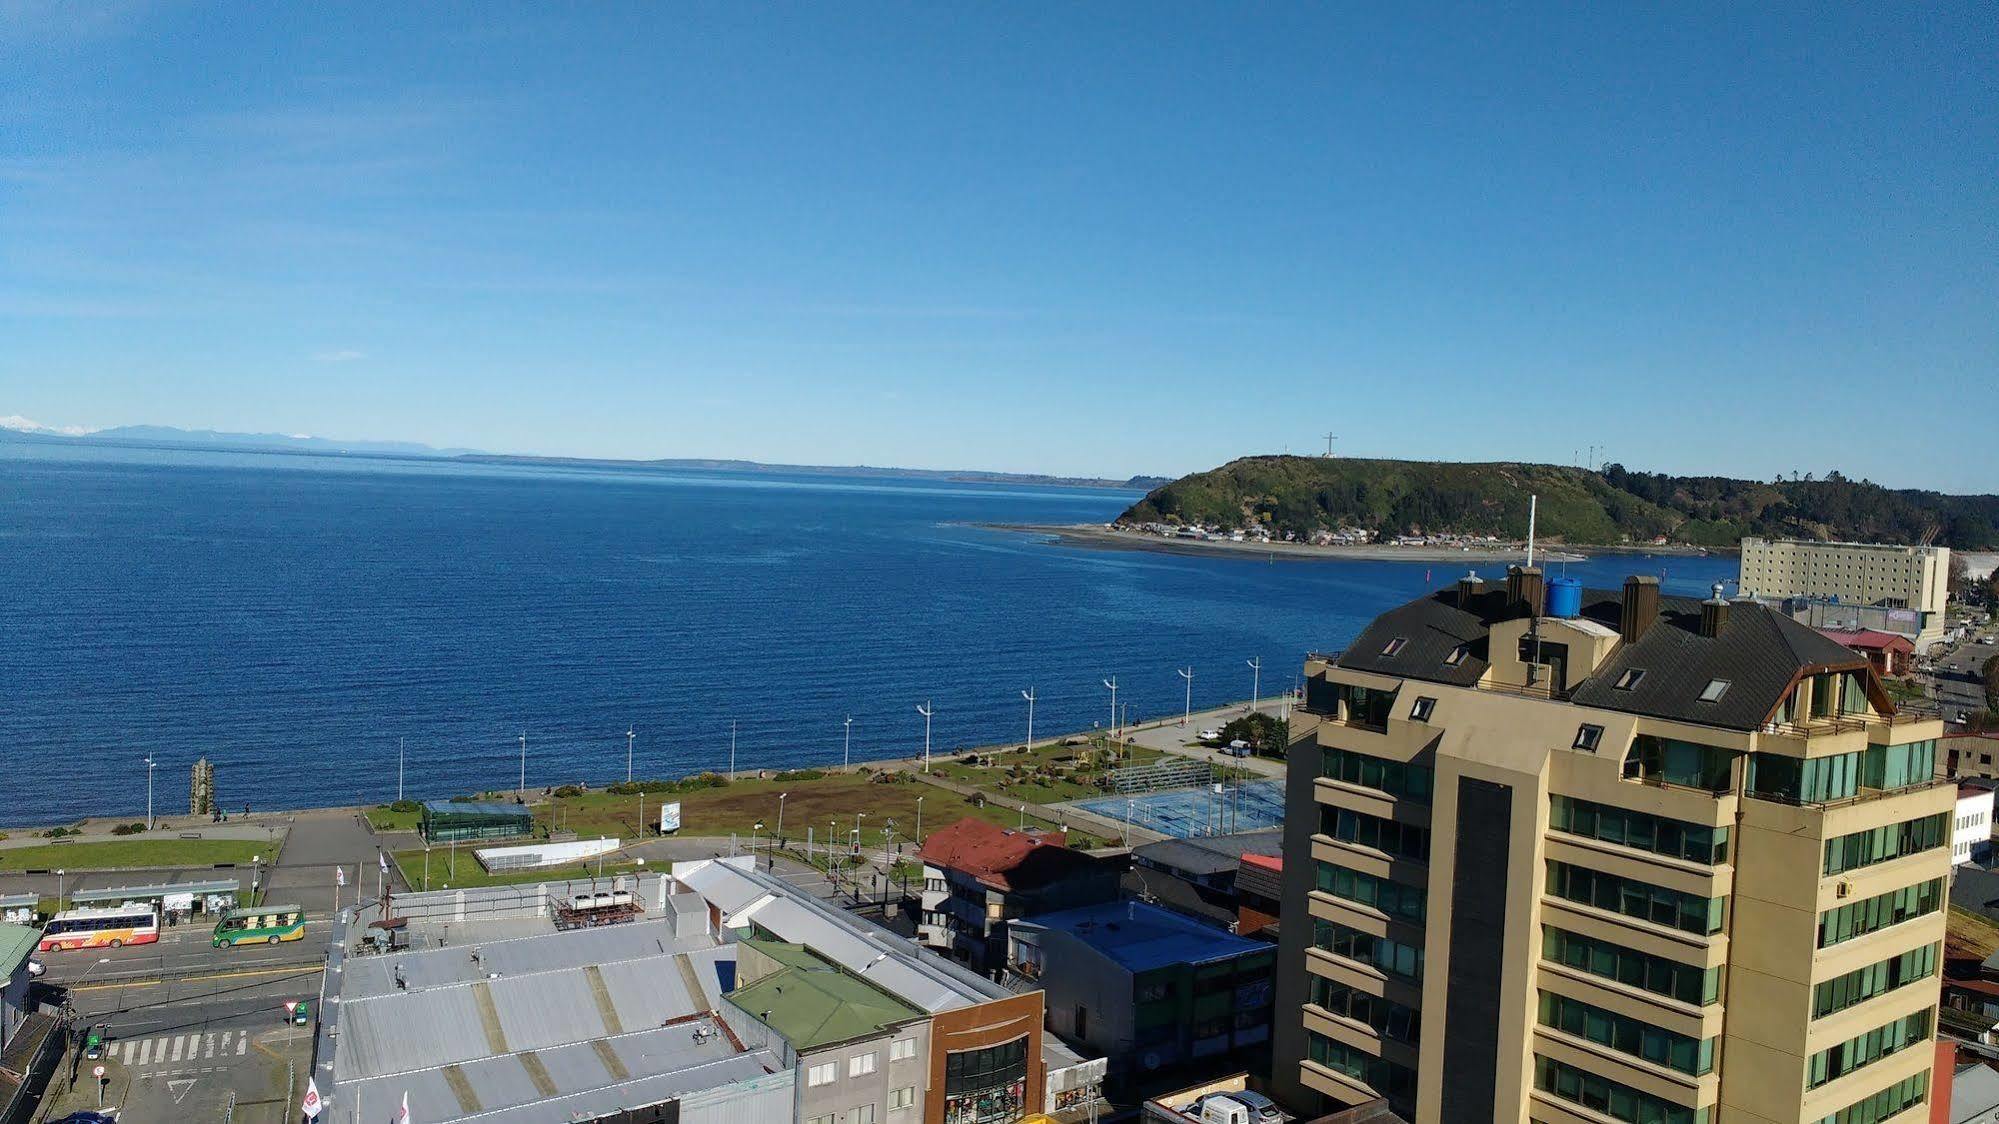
x,y
1714,690
1394,646
1630,679
1587,737
1456,657
1419,711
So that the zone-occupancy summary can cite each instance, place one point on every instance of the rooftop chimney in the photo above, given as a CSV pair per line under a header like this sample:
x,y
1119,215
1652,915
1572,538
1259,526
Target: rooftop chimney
x,y
1641,607
1525,586
1469,587
1714,613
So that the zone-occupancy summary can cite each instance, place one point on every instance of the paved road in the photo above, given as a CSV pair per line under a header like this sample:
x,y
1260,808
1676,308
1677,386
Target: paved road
x,y
1957,683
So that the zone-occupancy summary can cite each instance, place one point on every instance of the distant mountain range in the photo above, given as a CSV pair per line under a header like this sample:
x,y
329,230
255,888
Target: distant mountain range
x,y
1577,505
17,428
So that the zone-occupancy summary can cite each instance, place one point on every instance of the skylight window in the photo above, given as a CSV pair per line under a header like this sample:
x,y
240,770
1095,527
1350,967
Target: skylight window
x,y
1419,711
1456,657
1394,646
1630,679
1714,690
1587,737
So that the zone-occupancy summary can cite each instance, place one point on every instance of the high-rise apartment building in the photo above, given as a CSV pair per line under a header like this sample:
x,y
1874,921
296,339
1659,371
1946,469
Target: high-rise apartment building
x,y
1572,856
1907,584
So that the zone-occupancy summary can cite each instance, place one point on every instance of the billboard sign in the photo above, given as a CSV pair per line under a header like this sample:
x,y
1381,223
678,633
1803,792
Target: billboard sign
x,y
669,818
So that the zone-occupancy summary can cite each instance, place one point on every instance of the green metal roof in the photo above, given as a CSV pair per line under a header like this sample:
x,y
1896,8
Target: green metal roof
x,y
813,1002
16,942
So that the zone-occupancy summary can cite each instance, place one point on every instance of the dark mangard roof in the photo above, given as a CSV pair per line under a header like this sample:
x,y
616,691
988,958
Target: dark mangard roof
x,y
1216,907
1212,854
1974,888
1758,651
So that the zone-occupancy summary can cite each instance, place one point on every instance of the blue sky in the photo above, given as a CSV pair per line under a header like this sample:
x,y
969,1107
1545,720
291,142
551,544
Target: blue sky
x,y
1099,238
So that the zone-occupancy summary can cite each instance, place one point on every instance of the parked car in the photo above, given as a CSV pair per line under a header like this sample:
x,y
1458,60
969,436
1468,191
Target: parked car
x,y
1238,748
1211,735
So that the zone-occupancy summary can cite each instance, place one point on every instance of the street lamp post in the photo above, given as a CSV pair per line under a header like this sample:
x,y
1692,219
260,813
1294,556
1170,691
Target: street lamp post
x,y
1187,710
925,711
780,813
1029,696
754,828
402,744
919,821
1256,682
732,749
58,889
522,792
150,766
847,754
631,737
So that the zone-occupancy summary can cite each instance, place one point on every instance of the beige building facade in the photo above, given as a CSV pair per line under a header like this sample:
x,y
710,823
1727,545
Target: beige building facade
x,y
1915,578
1661,861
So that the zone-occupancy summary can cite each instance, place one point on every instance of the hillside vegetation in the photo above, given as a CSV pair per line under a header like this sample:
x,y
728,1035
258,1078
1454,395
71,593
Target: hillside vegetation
x,y
1300,495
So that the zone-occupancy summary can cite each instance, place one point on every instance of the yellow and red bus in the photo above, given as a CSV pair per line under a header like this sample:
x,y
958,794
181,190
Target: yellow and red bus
x,y
112,927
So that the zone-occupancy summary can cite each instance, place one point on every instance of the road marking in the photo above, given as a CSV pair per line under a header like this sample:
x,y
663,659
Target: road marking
x,y
307,968
113,1051
179,1088
243,1043
145,1052
208,1045
174,1047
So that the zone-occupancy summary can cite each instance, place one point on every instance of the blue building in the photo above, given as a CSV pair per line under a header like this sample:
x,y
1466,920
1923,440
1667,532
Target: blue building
x,y
1163,996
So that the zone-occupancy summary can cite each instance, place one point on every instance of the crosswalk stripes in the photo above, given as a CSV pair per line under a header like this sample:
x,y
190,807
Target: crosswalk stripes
x,y
163,1050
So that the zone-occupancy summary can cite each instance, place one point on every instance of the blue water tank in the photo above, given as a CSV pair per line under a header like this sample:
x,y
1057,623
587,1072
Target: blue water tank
x,y
1565,597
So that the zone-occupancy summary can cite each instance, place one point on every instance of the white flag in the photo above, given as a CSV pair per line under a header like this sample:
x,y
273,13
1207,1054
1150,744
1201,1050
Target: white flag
x,y
403,1114
340,876
311,1104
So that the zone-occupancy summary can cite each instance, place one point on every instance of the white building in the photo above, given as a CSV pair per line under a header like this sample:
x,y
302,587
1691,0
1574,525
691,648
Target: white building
x,y
1971,829
1906,583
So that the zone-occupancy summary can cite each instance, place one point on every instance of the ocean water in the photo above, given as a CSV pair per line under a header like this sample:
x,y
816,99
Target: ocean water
x,y
291,617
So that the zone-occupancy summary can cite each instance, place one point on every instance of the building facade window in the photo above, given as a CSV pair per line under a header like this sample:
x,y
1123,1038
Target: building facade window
x,y
901,1049
860,1065
1391,957
1865,1049
1879,978
1393,1081
1884,844
1899,766
1619,1102
1391,897
904,1097
1674,838
1670,761
1385,1017
862,1114
1795,780
986,1085
1627,1035
1392,836
1633,898
824,1073
1879,1106
1684,982
1365,707
1396,778
1857,919
1422,708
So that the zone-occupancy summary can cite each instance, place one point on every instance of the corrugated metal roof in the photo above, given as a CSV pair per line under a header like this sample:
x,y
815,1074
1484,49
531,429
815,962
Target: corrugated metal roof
x,y
1141,937
159,890
1212,854
16,943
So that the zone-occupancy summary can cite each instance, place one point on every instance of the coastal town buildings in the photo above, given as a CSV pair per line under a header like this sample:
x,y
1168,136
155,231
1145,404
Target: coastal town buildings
x,y
1971,823
715,993
1853,586
977,876
1618,856
1165,998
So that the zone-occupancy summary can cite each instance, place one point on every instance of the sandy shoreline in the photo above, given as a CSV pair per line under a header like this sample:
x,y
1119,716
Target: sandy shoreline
x,y
1097,536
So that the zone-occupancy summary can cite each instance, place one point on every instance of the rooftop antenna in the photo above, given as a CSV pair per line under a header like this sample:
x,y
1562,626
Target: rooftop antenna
x,y
1533,502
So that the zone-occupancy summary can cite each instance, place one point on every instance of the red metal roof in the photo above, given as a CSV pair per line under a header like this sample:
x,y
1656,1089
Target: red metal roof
x,y
1869,640
993,854
1267,862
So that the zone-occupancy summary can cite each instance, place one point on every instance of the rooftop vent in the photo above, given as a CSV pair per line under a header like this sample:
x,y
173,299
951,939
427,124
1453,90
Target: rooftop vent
x,y
1469,586
1714,613
1526,588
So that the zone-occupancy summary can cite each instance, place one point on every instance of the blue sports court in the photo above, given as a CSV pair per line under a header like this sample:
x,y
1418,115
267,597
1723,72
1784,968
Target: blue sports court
x,y
1185,813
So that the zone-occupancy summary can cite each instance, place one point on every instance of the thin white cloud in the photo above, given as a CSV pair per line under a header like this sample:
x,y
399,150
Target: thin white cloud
x,y
29,425
343,356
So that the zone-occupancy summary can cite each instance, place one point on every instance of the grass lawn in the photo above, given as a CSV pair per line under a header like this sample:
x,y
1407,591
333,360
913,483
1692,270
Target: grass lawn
x,y
384,818
134,852
467,871
1048,774
833,798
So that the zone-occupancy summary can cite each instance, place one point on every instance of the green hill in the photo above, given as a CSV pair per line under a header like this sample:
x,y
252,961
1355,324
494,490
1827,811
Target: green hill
x,y
1304,494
